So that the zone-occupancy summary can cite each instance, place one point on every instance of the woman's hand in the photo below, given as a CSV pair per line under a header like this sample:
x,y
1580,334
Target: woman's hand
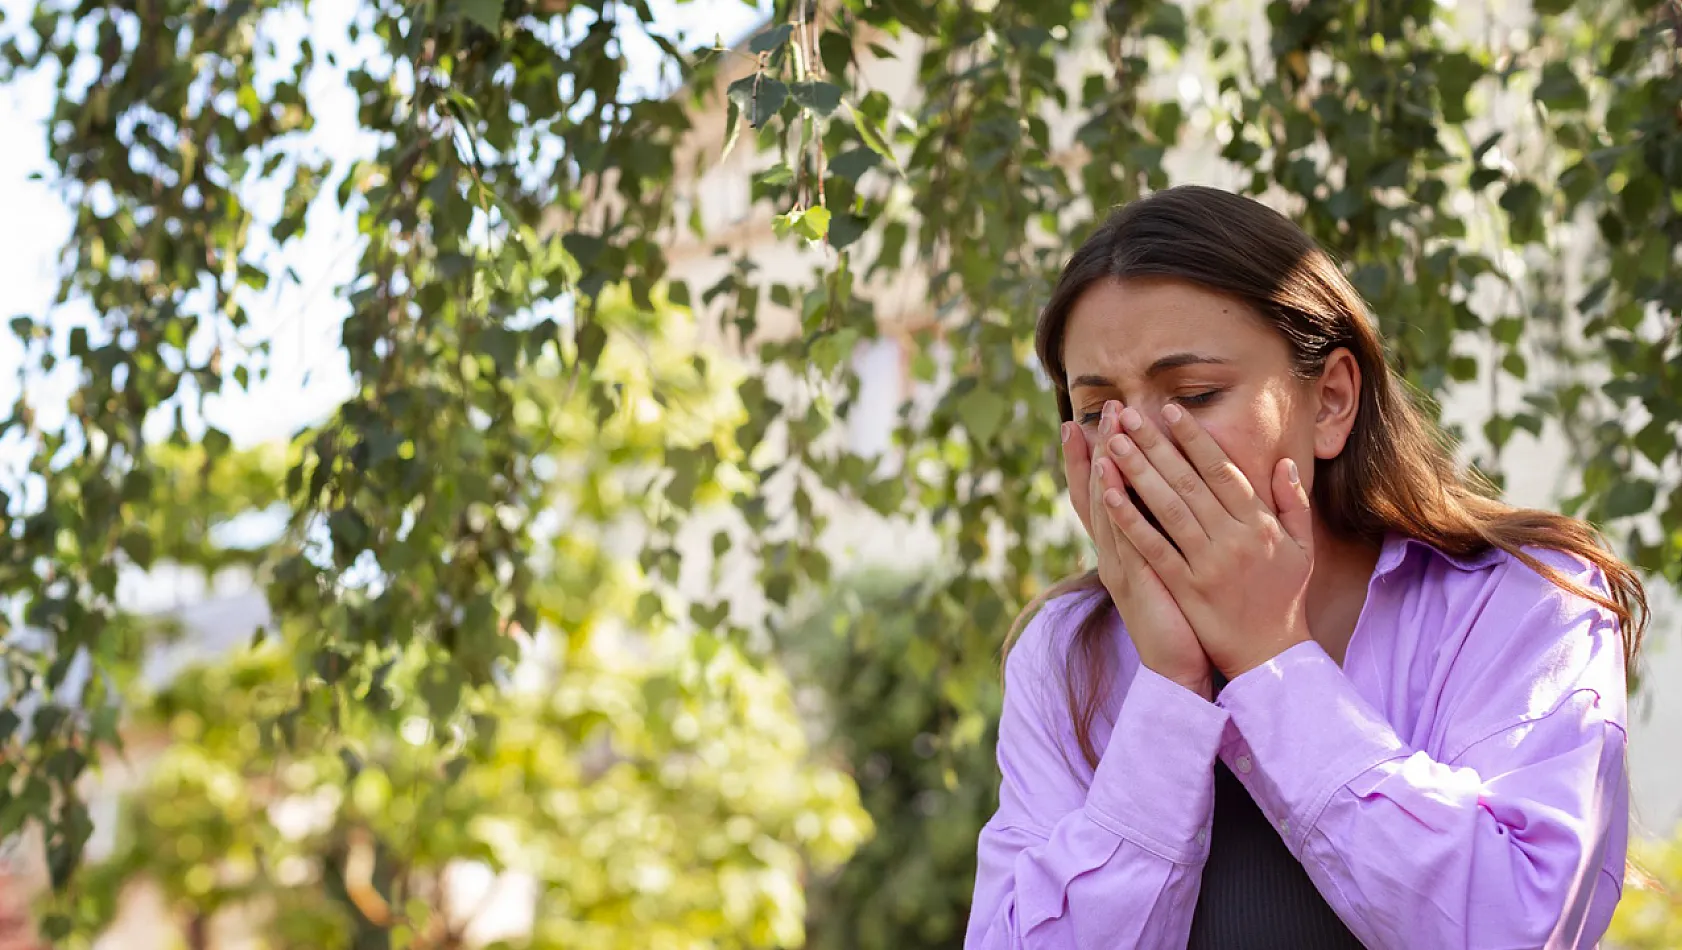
x,y
1159,629
17,927
1240,573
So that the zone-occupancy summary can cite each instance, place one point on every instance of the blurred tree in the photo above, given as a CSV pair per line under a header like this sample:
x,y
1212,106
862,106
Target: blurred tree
x,y
657,796
657,804
1650,918
871,664
515,177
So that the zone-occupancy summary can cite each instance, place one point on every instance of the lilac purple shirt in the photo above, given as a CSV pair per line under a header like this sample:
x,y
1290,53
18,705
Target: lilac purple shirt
x,y
1457,783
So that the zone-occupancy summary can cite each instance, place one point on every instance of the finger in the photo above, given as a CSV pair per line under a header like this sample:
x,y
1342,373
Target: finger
x,y
1095,452
1179,473
1128,563
1225,480
1105,477
1163,501
1077,471
1294,513
1144,541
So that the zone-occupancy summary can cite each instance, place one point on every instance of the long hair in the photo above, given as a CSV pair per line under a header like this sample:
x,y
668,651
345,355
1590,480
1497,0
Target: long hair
x,y
1396,472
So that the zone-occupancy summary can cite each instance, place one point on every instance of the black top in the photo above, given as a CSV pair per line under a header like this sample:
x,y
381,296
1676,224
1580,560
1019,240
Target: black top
x,y
1255,894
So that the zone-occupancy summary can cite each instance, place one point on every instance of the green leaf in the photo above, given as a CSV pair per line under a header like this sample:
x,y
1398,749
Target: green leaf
x,y
1483,147
137,543
586,249
869,133
486,13
1630,496
820,98
854,162
813,223
56,926
733,131
783,223
1168,21
983,411
1523,203
778,174
846,228
835,50
772,39
216,442
758,96
1655,442
1514,364
591,340
1596,293
1507,330
1560,88
349,530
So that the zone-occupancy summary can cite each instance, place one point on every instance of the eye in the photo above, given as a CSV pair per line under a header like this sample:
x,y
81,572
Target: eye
x,y
1199,399
1090,418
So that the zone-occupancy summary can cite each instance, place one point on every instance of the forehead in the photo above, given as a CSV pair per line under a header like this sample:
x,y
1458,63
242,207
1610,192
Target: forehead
x,y
1121,327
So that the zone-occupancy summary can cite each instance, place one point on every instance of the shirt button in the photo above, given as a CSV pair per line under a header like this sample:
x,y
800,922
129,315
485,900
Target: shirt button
x,y
1202,838
1284,828
1242,764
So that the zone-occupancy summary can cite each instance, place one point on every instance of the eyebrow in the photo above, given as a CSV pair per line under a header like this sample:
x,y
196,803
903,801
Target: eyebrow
x,y
1163,365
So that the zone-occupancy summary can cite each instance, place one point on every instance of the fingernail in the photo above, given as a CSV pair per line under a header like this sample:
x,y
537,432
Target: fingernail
x,y
1111,408
1068,430
1112,498
1131,419
1171,413
1291,470
1121,445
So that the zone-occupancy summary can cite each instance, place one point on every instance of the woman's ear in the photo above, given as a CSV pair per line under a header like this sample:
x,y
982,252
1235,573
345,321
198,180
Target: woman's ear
x,y
1337,399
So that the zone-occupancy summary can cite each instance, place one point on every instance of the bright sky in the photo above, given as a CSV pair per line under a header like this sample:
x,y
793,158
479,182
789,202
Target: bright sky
x,y
308,375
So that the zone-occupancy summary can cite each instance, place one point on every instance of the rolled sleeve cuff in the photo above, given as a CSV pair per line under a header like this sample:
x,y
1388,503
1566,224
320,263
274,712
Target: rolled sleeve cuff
x,y
1155,784
1301,732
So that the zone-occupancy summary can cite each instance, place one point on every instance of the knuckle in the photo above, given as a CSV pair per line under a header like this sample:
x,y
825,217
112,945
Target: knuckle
x,y
1225,475
1126,516
1186,483
1176,514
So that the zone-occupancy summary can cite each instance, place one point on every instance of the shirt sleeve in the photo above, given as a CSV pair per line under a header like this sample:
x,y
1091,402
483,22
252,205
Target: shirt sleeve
x,y
1509,839
1115,864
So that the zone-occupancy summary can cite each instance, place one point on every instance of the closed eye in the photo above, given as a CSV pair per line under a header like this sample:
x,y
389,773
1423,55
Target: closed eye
x,y
1190,401
1198,399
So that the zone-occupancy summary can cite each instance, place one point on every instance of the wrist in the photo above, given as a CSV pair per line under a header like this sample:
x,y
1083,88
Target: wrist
x,y
1203,686
1238,666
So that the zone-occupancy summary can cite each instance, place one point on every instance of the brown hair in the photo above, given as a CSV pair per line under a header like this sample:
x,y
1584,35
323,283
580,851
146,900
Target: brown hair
x,y
1396,472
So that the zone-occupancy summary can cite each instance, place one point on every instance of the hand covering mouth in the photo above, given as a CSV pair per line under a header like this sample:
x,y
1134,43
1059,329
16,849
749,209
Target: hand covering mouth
x,y
1150,517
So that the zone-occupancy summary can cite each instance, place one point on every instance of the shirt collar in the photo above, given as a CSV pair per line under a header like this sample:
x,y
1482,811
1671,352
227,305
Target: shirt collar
x,y
1397,546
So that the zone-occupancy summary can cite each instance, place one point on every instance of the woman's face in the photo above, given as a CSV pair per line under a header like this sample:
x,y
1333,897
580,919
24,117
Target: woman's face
x,y
1150,341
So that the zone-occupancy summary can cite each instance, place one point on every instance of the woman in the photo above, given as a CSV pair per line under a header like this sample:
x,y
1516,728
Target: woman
x,y
1320,692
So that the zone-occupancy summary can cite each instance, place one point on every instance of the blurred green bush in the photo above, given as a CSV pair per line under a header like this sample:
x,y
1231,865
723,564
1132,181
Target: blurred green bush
x,y
927,795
